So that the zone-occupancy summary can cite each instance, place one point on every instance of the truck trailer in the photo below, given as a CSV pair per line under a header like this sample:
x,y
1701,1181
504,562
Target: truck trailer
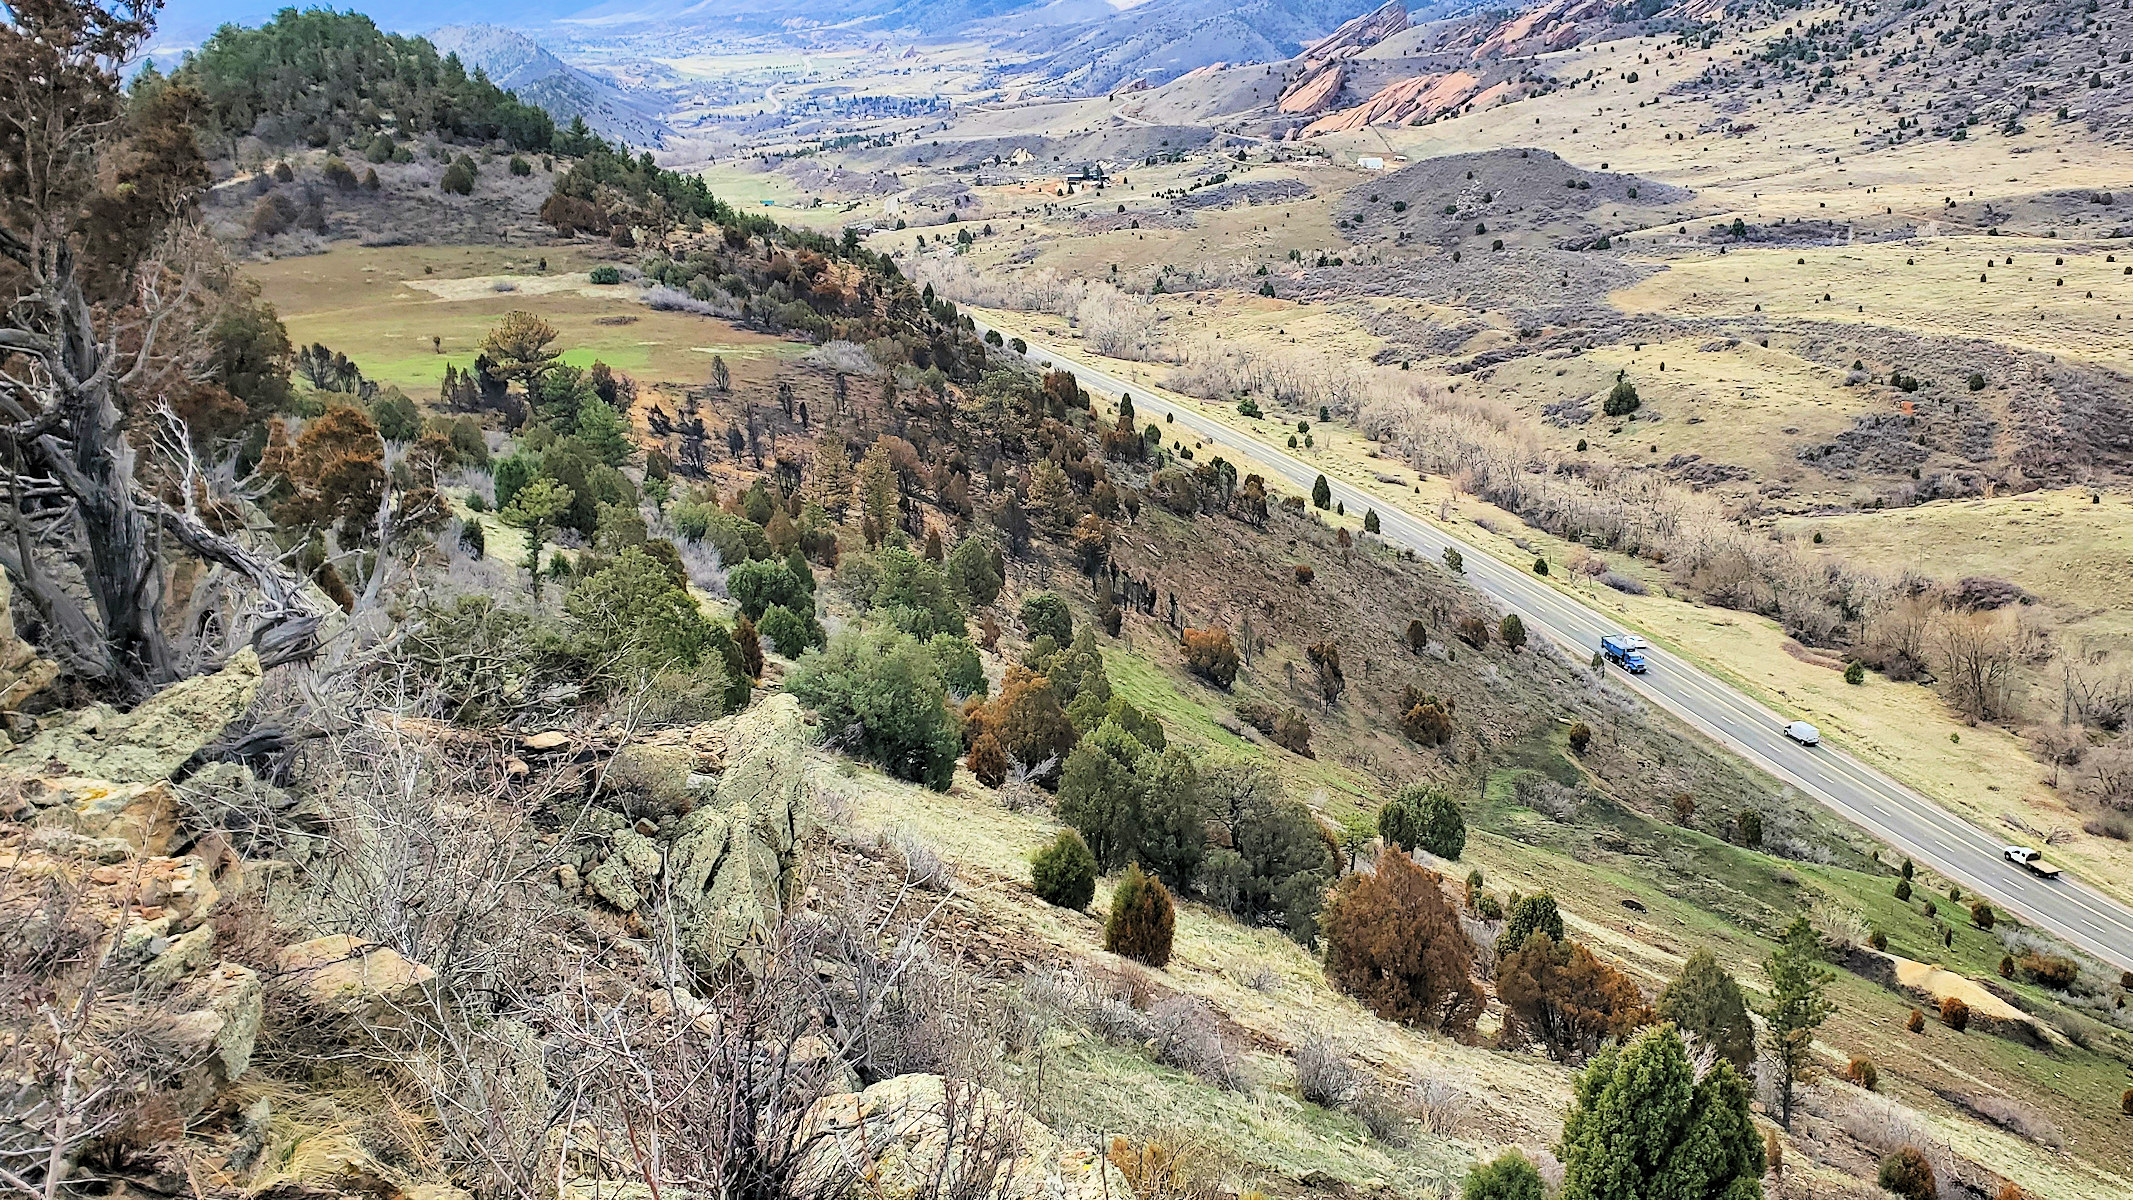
x,y
1624,651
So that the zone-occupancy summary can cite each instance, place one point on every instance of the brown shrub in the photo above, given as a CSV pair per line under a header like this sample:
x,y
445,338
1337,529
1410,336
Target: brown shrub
x,y
1561,995
1474,632
1417,635
2051,970
1580,737
1143,919
1210,654
1393,942
1862,1071
1286,728
1955,1014
1304,574
1424,720
1332,681
1027,719
1916,1023
988,762
1182,1167
1908,1175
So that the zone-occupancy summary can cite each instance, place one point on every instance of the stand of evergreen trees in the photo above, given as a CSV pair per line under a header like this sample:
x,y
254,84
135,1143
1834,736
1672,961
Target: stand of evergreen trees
x,y
319,77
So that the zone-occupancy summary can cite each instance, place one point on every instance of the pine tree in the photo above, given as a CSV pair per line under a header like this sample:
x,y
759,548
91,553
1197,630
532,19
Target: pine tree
x,y
1797,1008
1531,915
1707,1002
1424,818
1641,1125
877,494
1321,494
1064,872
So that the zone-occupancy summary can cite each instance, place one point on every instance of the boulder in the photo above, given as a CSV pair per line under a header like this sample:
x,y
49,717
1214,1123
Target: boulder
x,y
906,1135
143,816
219,1013
730,864
151,742
632,863
22,673
355,978
181,956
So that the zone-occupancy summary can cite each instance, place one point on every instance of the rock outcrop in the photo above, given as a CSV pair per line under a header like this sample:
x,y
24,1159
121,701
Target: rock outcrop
x,y
147,744
1361,33
355,978
1402,102
23,673
911,1133
1315,92
1553,26
724,869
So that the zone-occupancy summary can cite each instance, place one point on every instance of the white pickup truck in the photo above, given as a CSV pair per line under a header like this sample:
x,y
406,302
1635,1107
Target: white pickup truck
x,y
2030,861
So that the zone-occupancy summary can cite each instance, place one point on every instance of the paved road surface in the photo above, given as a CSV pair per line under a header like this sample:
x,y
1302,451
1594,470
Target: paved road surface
x,y
1892,812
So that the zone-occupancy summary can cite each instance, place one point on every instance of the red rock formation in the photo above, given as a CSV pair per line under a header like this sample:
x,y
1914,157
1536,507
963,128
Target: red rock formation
x,y
1552,26
1402,102
1314,92
1359,34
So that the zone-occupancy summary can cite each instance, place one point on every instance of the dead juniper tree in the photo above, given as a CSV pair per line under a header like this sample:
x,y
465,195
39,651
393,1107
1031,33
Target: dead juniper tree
x,y
110,292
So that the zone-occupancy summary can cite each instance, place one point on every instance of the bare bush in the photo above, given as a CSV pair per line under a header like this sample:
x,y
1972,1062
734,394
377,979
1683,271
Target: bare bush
x,y
1976,653
1116,325
1188,1036
1115,1020
838,355
2016,1117
1884,1126
1323,1074
1549,798
1437,1104
662,298
1841,927
1381,1113
923,865
700,561
2107,775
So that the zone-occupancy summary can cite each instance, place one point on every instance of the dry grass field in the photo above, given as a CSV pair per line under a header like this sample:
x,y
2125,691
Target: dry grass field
x,y
384,306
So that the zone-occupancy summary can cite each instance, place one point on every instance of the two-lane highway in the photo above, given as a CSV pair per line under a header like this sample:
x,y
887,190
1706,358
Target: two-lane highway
x,y
1897,815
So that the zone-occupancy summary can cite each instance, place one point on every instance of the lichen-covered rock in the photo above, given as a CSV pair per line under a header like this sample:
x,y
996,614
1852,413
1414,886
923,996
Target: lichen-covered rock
x,y
183,955
353,977
23,673
730,864
149,743
259,819
144,816
907,1134
632,863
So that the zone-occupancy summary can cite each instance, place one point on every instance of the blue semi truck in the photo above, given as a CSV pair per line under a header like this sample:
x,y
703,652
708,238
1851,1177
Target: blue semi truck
x,y
1624,651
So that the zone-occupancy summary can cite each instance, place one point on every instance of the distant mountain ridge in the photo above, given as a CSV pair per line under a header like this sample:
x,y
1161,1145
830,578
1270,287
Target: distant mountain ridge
x,y
1163,39
517,62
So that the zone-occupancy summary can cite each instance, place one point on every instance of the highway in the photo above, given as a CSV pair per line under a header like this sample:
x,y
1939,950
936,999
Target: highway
x,y
1899,816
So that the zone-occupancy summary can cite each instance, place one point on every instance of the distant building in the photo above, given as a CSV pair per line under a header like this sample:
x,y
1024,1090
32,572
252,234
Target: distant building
x,y
1370,162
